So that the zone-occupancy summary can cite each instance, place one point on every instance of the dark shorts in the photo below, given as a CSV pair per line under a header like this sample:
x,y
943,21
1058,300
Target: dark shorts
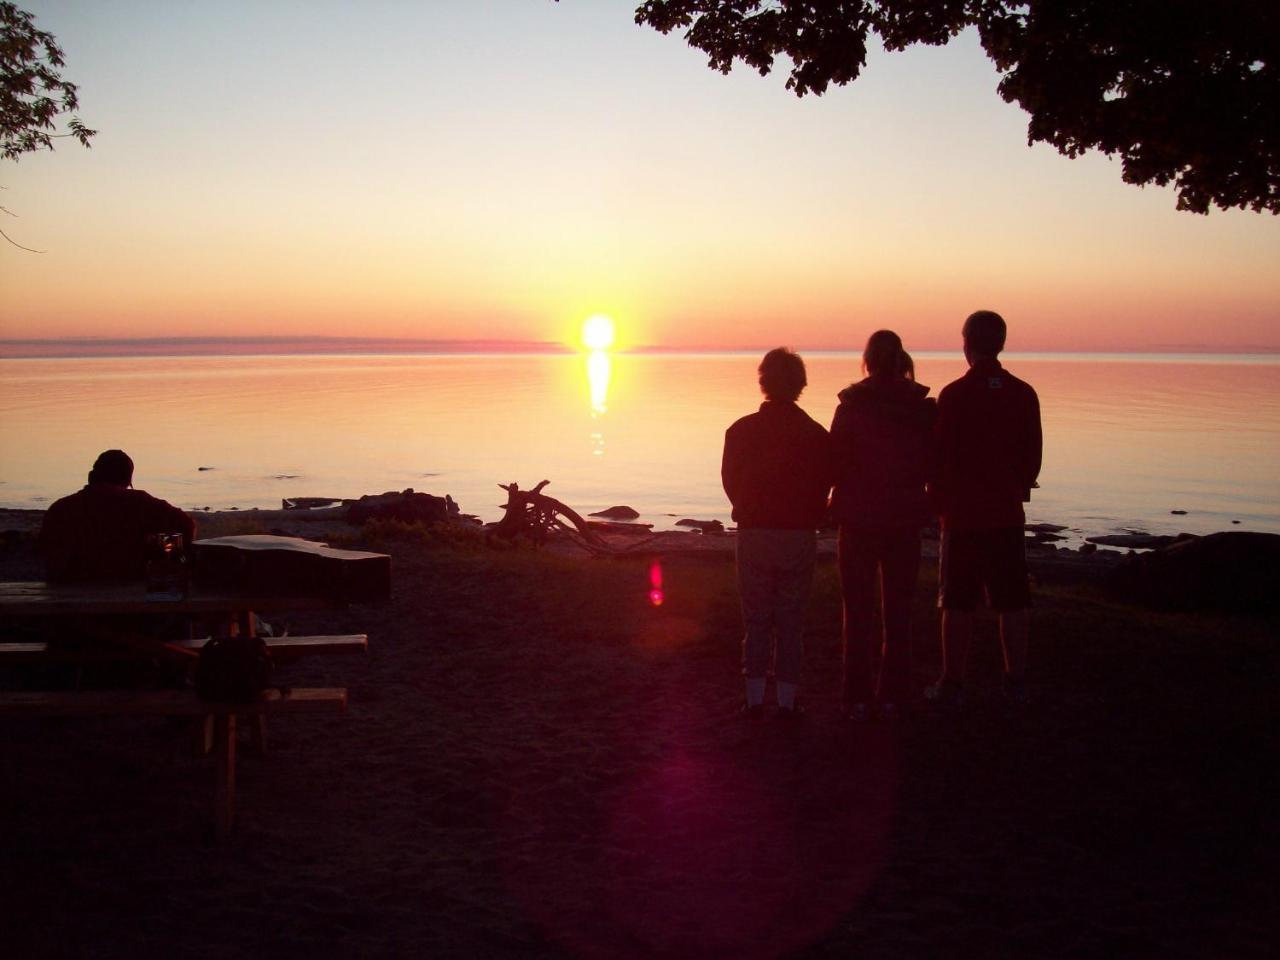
x,y
978,564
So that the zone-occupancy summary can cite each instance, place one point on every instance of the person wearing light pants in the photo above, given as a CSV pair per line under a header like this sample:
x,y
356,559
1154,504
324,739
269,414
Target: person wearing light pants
x,y
776,472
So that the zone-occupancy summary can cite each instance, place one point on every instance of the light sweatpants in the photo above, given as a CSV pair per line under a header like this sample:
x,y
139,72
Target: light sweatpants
x,y
775,572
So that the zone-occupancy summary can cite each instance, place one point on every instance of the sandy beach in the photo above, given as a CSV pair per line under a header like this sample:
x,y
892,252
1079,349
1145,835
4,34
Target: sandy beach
x,y
537,761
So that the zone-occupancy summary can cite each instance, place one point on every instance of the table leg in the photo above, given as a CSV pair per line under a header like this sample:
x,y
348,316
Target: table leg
x,y
203,735
259,735
258,732
225,789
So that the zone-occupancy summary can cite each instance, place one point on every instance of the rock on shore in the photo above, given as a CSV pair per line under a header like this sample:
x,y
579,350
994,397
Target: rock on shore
x,y
406,506
1231,572
617,513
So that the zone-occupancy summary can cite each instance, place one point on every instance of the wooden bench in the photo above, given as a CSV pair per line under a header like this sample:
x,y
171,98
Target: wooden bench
x,y
282,648
127,703
293,648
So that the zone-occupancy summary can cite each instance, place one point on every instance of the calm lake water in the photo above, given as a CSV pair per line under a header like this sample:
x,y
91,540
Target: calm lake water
x,y
1127,438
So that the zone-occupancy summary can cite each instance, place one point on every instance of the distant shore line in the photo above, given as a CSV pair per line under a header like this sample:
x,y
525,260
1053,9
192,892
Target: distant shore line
x,y
77,348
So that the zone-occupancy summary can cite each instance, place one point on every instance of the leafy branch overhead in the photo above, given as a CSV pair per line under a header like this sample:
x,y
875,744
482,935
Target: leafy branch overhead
x,y
32,92
1182,91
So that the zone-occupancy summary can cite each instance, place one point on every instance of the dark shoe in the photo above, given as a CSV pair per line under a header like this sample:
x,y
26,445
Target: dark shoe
x,y
1015,692
856,712
793,715
753,713
946,694
889,712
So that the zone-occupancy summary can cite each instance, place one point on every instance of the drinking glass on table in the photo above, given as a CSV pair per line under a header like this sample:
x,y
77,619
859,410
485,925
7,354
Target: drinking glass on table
x,y
168,576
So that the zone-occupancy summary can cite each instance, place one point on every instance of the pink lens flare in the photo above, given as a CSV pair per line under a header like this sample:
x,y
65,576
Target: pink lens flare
x,y
656,595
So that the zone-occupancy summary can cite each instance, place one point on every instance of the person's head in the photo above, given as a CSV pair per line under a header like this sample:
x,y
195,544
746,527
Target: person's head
x,y
882,356
782,375
113,467
984,333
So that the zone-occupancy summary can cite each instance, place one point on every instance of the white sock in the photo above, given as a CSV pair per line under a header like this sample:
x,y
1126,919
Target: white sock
x,y
755,691
786,695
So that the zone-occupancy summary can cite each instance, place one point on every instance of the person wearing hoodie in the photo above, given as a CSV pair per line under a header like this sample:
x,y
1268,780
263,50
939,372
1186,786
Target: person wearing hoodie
x,y
881,438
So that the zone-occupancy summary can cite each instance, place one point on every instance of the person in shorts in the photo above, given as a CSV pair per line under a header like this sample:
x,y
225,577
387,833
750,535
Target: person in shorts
x,y
776,470
988,445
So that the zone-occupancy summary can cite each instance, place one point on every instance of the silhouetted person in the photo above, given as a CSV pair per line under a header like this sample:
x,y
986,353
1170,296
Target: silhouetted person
x,y
988,458
881,436
100,533
777,472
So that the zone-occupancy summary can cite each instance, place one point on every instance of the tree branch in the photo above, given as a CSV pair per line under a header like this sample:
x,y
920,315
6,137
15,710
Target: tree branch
x,y
17,244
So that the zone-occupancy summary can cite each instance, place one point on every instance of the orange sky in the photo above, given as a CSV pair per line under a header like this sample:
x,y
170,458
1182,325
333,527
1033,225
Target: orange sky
x,y
505,169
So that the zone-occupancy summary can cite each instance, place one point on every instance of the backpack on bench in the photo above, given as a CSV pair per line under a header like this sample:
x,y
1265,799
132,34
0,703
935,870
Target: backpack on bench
x,y
233,669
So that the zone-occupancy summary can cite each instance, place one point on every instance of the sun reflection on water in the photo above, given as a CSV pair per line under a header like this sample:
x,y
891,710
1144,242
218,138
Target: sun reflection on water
x,y
597,336
599,368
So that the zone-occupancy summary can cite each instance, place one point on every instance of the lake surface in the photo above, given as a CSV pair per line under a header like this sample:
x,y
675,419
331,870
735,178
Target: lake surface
x,y
1127,438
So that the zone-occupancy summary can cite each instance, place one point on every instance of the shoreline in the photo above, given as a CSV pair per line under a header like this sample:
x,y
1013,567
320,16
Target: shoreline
x,y
1046,559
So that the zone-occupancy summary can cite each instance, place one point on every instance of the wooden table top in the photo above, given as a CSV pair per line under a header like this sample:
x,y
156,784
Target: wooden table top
x,y
34,598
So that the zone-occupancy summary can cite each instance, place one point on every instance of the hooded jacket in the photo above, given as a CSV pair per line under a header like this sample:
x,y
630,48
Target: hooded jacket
x,y
882,439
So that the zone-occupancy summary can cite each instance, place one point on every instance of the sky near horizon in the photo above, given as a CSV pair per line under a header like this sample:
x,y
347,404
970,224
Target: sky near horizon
x,y
503,169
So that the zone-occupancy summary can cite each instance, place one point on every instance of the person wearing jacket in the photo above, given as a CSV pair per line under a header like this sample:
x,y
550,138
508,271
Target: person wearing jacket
x,y
989,448
100,532
881,440
776,471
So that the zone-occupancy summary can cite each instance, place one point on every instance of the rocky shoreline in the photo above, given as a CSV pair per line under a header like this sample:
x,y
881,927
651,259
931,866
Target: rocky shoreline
x,y
621,526
1226,571
618,536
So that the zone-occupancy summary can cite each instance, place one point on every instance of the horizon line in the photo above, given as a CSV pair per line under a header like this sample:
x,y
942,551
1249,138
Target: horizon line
x,y
39,348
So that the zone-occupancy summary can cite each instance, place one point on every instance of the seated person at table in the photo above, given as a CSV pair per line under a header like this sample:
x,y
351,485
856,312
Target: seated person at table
x,y
100,533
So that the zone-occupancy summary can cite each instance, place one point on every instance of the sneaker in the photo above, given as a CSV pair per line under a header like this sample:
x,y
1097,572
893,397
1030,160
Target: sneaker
x,y
945,693
856,712
753,713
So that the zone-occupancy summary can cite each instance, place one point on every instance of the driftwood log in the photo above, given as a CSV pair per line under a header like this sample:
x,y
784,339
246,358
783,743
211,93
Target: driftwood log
x,y
534,515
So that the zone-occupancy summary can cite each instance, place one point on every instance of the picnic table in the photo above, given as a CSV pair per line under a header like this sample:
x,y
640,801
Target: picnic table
x,y
238,591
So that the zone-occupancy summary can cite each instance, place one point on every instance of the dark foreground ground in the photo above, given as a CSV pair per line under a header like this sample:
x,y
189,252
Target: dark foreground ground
x,y
538,762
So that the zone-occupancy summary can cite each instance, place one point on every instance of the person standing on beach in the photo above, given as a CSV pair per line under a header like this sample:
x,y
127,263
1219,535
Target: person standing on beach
x,y
776,470
881,436
989,443
100,532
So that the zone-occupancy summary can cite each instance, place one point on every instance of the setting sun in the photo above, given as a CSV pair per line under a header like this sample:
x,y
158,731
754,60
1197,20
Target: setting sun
x,y
597,332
